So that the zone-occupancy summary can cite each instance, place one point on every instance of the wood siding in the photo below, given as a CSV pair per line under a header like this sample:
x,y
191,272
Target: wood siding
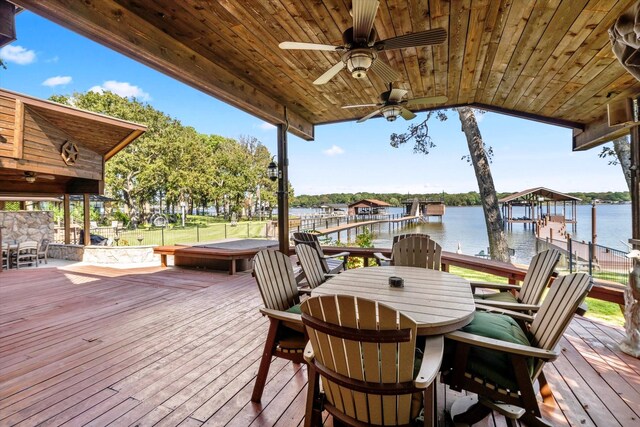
x,y
42,145
7,126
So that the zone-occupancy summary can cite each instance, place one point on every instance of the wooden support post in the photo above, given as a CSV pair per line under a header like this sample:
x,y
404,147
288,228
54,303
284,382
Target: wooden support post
x,y
631,342
87,220
635,185
283,190
67,219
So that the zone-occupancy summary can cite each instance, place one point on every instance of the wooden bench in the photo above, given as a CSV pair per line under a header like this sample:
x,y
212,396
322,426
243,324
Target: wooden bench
x,y
216,258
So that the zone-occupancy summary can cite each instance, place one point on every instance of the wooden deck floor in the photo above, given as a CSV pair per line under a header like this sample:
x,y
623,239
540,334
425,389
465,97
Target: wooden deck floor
x,y
99,346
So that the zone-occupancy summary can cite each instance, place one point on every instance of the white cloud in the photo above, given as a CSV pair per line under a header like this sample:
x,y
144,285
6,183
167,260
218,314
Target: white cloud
x,y
17,54
52,59
124,89
266,126
57,81
333,151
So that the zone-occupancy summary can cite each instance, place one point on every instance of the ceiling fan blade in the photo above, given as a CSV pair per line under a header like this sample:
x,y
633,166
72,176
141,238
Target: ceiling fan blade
x,y
422,38
397,94
364,13
387,73
45,176
368,116
361,105
406,114
329,74
309,46
428,100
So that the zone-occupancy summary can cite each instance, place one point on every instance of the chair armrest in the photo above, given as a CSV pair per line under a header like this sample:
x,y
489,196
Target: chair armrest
x,y
380,257
282,315
515,306
308,353
431,361
337,255
499,310
507,347
497,286
305,291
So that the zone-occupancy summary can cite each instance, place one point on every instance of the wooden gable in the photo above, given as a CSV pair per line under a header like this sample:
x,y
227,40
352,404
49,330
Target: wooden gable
x,y
35,133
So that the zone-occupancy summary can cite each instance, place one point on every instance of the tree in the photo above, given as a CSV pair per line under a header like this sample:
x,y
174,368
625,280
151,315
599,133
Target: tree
x,y
479,157
621,153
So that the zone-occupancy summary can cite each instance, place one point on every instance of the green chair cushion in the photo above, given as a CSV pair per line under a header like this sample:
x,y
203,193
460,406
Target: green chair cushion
x,y
497,296
493,364
295,309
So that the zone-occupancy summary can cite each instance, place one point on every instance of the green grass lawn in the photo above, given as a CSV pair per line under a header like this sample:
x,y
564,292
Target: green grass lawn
x,y
191,234
597,309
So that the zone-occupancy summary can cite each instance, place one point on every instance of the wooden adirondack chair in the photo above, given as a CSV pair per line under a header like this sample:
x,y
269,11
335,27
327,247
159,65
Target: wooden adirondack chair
x,y
364,354
273,272
500,366
311,264
417,251
383,260
527,297
330,263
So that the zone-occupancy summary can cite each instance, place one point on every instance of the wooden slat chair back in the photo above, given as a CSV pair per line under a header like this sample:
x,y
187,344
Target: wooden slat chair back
x,y
26,253
558,309
273,272
538,276
43,249
383,260
5,255
525,362
363,352
417,251
330,265
311,263
527,296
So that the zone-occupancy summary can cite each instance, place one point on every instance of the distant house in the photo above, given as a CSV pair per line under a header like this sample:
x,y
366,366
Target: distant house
x,y
368,207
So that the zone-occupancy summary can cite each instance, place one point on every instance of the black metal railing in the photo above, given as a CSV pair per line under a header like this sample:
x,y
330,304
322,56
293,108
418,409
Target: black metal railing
x,y
172,235
601,262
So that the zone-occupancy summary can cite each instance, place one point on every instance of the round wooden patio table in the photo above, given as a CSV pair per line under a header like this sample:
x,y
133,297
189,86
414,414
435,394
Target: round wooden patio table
x,y
439,302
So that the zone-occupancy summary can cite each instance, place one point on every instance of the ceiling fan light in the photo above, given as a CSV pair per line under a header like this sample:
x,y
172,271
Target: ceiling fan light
x,y
30,179
391,112
359,62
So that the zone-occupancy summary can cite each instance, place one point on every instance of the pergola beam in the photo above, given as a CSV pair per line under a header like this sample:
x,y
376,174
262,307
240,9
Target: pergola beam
x,y
111,25
598,133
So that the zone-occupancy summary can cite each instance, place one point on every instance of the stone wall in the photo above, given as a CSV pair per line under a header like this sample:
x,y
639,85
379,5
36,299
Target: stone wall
x,y
26,225
119,254
68,252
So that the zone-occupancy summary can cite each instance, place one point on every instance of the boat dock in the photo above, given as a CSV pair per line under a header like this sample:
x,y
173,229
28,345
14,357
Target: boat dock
x,y
371,224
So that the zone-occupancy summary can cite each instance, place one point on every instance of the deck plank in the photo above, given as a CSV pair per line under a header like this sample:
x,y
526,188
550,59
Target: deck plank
x,y
172,347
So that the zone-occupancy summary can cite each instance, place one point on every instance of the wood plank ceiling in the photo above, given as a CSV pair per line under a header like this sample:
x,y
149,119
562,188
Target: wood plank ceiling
x,y
546,59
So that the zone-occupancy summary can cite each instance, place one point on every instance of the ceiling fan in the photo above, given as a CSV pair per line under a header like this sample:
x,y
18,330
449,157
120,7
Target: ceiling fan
x,y
360,49
392,105
31,177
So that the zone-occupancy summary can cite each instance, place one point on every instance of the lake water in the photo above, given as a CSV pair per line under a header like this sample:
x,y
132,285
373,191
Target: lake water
x,y
466,226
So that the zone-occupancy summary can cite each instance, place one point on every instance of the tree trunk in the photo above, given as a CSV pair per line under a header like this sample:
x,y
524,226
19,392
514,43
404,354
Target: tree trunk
x,y
623,151
493,219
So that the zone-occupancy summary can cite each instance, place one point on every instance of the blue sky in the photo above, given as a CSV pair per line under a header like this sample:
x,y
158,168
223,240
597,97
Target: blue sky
x,y
48,59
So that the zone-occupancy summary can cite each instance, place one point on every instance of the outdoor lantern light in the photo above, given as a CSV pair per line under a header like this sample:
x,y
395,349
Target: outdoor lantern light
x,y
359,61
391,112
272,171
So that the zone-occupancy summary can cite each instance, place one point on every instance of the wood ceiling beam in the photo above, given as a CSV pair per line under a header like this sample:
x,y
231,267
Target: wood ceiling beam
x,y
598,133
107,23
